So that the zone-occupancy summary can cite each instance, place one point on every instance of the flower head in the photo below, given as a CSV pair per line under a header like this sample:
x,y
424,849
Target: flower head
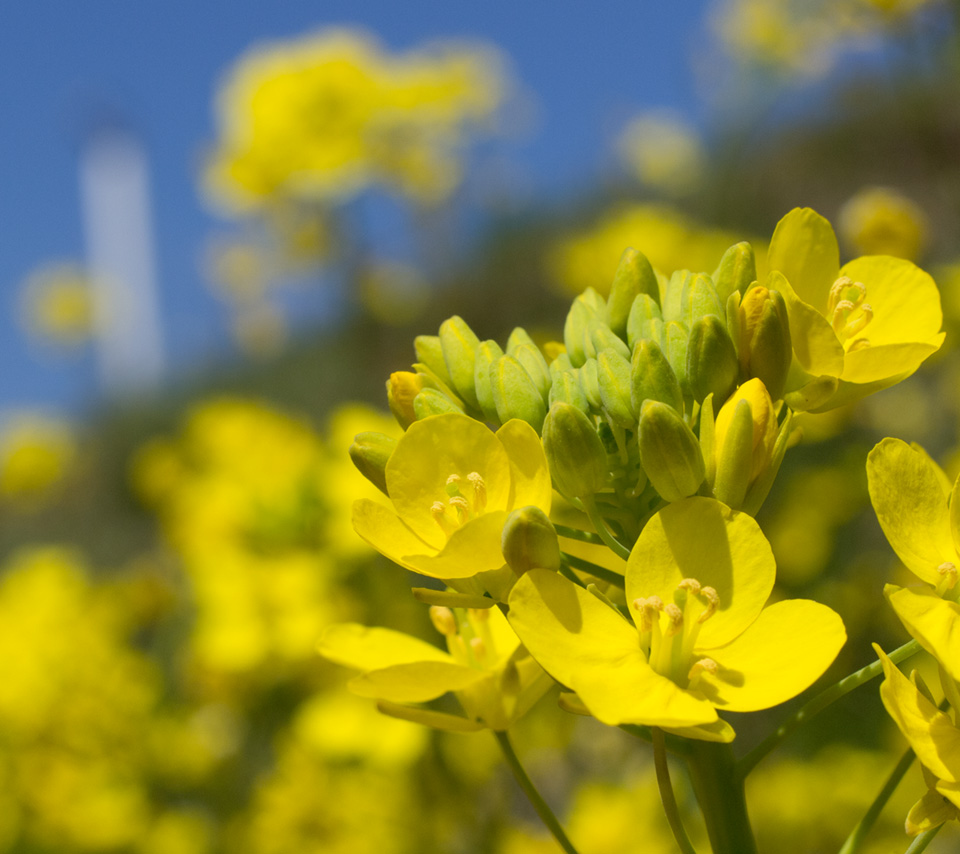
x,y
701,640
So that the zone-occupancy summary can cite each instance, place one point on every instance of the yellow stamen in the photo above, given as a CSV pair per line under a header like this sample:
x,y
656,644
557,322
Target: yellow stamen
x,y
479,491
704,665
439,511
948,573
859,344
839,318
461,506
479,649
675,615
859,322
649,610
443,620
713,602
690,584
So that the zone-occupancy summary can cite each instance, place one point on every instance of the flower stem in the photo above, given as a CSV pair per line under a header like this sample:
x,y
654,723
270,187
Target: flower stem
x,y
718,786
666,792
923,840
855,839
577,534
820,702
536,801
598,522
600,572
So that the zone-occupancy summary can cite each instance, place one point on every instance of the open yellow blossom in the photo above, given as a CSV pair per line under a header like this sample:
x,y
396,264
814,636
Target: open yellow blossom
x,y
453,482
855,329
920,516
493,677
701,640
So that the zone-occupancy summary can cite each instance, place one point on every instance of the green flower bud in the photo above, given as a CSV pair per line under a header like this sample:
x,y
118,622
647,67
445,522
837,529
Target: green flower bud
x,y
535,365
529,541
736,271
675,338
430,354
604,338
566,389
593,301
652,378
370,452
766,349
560,365
613,378
487,353
673,301
459,345
590,384
517,338
643,310
575,332
514,393
712,365
578,462
402,388
432,402
701,299
634,277
669,452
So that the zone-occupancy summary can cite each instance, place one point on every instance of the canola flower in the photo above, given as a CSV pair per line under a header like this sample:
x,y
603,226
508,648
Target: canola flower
x,y
57,304
882,221
662,152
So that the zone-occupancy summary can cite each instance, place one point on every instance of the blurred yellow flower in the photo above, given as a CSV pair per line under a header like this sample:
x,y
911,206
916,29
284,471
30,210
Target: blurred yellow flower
x,y
881,221
663,152
57,304
36,453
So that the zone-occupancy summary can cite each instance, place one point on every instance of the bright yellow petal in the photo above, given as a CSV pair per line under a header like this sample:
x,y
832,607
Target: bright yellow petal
x,y
416,682
473,548
430,718
875,363
703,539
804,248
815,344
933,621
907,495
528,463
785,651
371,648
904,299
719,731
932,810
504,637
384,530
592,650
433,449
930,732
600,555
951,791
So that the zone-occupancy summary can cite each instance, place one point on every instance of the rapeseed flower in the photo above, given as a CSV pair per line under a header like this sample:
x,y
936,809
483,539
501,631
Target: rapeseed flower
x,y
701,640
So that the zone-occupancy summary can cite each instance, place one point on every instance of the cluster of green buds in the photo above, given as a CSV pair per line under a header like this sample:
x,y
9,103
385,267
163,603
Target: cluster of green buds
x,y
670,387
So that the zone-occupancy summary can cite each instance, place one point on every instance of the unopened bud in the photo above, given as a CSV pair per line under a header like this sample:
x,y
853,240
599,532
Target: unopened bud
x,y
736,271
590,383
644,310
566,388
576,328
669,452
673,297
534,364
432,402
712,366
430,353
577,459
370,452
634,277
529,541
613,377
700,299
652,378
764,339
487,353
604,338
402,388
514,394
675,342
459,344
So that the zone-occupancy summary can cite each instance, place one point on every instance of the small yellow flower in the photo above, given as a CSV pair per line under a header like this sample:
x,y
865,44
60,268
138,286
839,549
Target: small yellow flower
x,y
880,221
453,482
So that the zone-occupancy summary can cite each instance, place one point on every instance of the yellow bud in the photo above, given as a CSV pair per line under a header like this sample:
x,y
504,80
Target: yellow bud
x,y
402,388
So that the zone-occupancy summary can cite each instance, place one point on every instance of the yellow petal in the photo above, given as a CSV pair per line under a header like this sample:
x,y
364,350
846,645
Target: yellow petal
x,y
528,464
815,344
955,514
385,531
904,299
907,495
933,621
875,363
930,732
804,248
370,648
591,649
785,651
430,718
433,449
951,791
930,811
719,731
416,682
472,548
703,539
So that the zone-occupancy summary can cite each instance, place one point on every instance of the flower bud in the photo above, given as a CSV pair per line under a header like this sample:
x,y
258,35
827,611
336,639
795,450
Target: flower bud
x,y
675,339
402,388
737,269
576,333
642,312
613,378
370,452
459,345
432,402
566,389
534,364
652,378
578,462
604,338
744,438
673,298
561,364
669,452
590,383
700,299
514,394
765,345
712,365
529,541
430,353
634,277
487,353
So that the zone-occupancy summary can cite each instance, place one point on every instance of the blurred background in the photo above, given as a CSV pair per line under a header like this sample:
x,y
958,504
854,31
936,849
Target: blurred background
x,y
221,227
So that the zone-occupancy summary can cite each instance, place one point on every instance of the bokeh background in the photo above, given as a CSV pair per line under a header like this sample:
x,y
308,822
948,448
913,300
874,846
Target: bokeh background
x,y
221,227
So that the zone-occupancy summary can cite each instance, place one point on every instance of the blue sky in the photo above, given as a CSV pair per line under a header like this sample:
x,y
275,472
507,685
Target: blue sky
x,y
156,65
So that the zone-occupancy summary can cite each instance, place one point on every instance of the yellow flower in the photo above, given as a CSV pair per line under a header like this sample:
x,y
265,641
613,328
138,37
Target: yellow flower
x,y
493,677
36,454
919,513
663,152
702,641
855,329
880,221
58,304
453,483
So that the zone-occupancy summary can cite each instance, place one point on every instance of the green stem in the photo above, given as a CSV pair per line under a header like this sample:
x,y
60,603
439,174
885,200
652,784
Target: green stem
x,y
577,534
866,824
538,803
820,702
598,522
923,840
666,792
600,572
718,786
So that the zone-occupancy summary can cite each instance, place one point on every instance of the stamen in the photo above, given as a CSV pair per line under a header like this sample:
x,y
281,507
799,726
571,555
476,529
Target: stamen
x,y
948,573
479,491
690,584
836,292
479,615
675,615
859,344
859,322
649,611
462,506
713,602
443,620
479,649
439,511
453,485
704,665
839,319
